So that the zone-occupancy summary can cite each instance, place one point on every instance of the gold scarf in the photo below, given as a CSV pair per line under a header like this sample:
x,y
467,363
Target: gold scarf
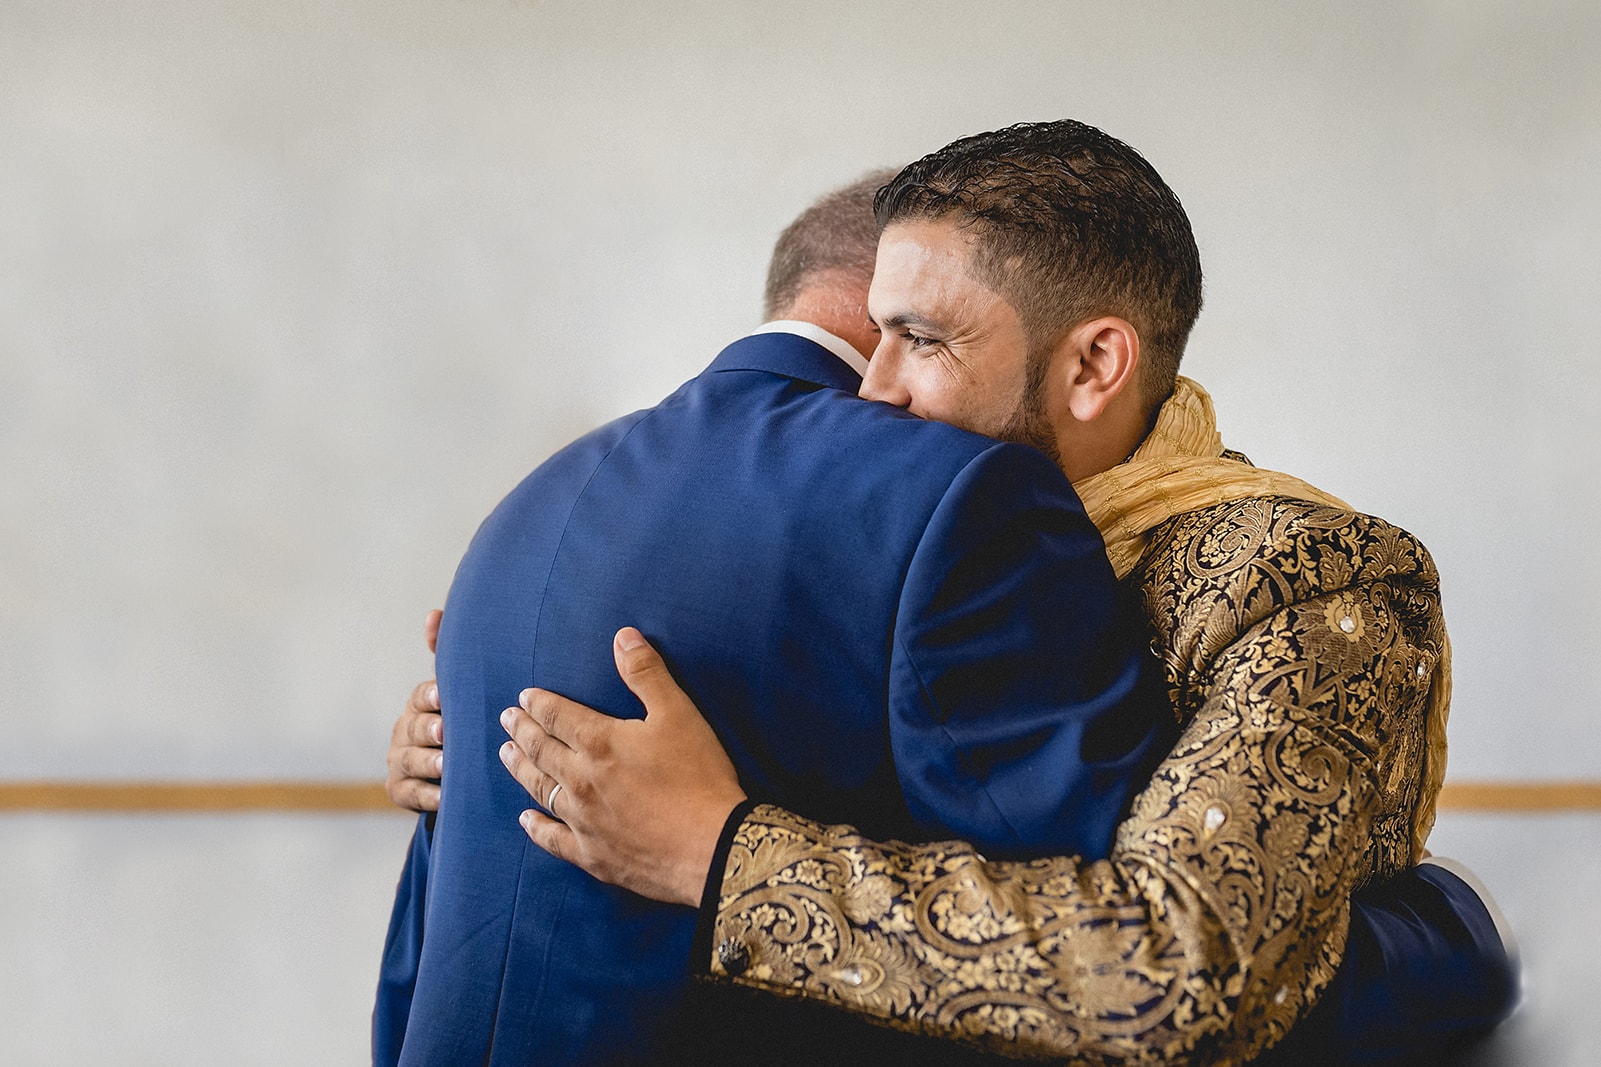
x,y
1179,468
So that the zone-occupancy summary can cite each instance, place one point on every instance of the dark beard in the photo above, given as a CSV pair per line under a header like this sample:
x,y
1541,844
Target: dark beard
x,y
1028,424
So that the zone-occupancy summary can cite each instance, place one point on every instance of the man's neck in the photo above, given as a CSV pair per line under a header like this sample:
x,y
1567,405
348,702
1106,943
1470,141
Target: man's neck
x,y
1088,448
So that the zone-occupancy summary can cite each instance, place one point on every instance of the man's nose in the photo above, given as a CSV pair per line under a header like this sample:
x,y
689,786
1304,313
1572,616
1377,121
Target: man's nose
x,y
883,380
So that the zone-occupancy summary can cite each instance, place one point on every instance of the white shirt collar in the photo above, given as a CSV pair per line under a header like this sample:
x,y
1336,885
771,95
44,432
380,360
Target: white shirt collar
x,y
813,332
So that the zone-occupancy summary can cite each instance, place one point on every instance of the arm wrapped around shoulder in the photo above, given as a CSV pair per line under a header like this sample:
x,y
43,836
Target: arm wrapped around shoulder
x,y
1213,926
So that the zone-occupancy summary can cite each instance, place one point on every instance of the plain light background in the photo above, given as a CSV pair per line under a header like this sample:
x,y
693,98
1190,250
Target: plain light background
x,y
291,292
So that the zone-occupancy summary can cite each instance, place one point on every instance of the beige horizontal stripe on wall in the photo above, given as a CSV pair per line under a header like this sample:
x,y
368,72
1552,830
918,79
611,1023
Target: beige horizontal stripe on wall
x,y
193,796
1521,796
369,796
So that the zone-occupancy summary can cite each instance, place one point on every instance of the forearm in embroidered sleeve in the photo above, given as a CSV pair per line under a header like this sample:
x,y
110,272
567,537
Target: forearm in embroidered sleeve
x,y
1265,808
1212,928
1045,958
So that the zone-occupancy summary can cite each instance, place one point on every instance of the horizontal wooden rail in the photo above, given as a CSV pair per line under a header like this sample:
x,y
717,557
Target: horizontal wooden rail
x,y
108,796
193,796
1521,796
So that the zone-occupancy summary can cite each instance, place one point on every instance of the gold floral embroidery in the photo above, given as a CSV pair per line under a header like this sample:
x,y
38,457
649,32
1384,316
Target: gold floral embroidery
x,y
1221,914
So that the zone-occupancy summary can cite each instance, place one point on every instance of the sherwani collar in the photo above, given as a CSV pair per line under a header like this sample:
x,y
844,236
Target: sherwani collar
x,y
1180,467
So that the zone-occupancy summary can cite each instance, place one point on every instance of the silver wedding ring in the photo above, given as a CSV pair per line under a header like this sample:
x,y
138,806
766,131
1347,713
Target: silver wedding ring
x,y
550,801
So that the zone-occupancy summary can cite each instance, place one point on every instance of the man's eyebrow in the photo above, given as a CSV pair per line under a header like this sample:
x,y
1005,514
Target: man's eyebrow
x,y
904,318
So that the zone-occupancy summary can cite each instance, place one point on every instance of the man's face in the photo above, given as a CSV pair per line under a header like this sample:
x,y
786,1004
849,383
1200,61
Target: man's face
x,y
951,348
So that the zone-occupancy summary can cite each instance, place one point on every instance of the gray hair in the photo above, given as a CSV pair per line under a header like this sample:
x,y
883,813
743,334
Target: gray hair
x,y
836,235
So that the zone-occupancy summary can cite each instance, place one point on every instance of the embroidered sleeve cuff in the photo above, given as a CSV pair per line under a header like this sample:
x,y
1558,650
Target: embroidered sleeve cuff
x,y
711,895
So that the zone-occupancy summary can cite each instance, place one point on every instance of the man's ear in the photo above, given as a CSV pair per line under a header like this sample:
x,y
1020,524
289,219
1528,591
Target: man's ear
x,y
1100,361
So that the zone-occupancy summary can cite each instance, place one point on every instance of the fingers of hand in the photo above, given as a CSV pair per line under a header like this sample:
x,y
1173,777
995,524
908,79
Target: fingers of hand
x,y
414,794
568,722
538,784
412,781
424,698
550,835
425,795
416,761
419,729
541,749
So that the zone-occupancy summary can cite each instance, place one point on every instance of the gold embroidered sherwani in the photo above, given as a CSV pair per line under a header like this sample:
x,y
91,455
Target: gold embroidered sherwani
x,y
1308,666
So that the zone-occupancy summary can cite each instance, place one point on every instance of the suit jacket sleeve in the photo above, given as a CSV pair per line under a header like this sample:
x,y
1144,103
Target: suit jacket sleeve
x,y
1214,925
1025,707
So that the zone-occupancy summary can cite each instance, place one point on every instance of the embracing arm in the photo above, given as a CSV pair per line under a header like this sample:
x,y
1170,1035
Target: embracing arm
x,y
1212,927
1218,918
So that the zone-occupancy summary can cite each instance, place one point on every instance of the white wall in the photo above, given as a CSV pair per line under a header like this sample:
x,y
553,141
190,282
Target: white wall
x,y
294,291
199,940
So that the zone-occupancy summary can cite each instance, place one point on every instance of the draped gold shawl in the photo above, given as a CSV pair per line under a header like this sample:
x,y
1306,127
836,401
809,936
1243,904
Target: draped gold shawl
x,y
1181,467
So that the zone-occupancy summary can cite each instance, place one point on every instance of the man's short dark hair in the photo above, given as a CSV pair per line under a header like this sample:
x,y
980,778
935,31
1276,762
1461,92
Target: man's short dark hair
x,y
836,235
1070,224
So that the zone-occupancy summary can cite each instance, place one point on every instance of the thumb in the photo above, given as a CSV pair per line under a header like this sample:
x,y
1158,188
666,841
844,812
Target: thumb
x,y
644,671
430,629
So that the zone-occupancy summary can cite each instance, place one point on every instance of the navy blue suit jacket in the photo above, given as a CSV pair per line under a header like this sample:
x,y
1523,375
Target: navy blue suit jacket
x,y
887,621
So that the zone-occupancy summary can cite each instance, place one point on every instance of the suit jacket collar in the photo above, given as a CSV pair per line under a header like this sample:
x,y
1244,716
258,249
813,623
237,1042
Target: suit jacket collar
x,y
789,355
